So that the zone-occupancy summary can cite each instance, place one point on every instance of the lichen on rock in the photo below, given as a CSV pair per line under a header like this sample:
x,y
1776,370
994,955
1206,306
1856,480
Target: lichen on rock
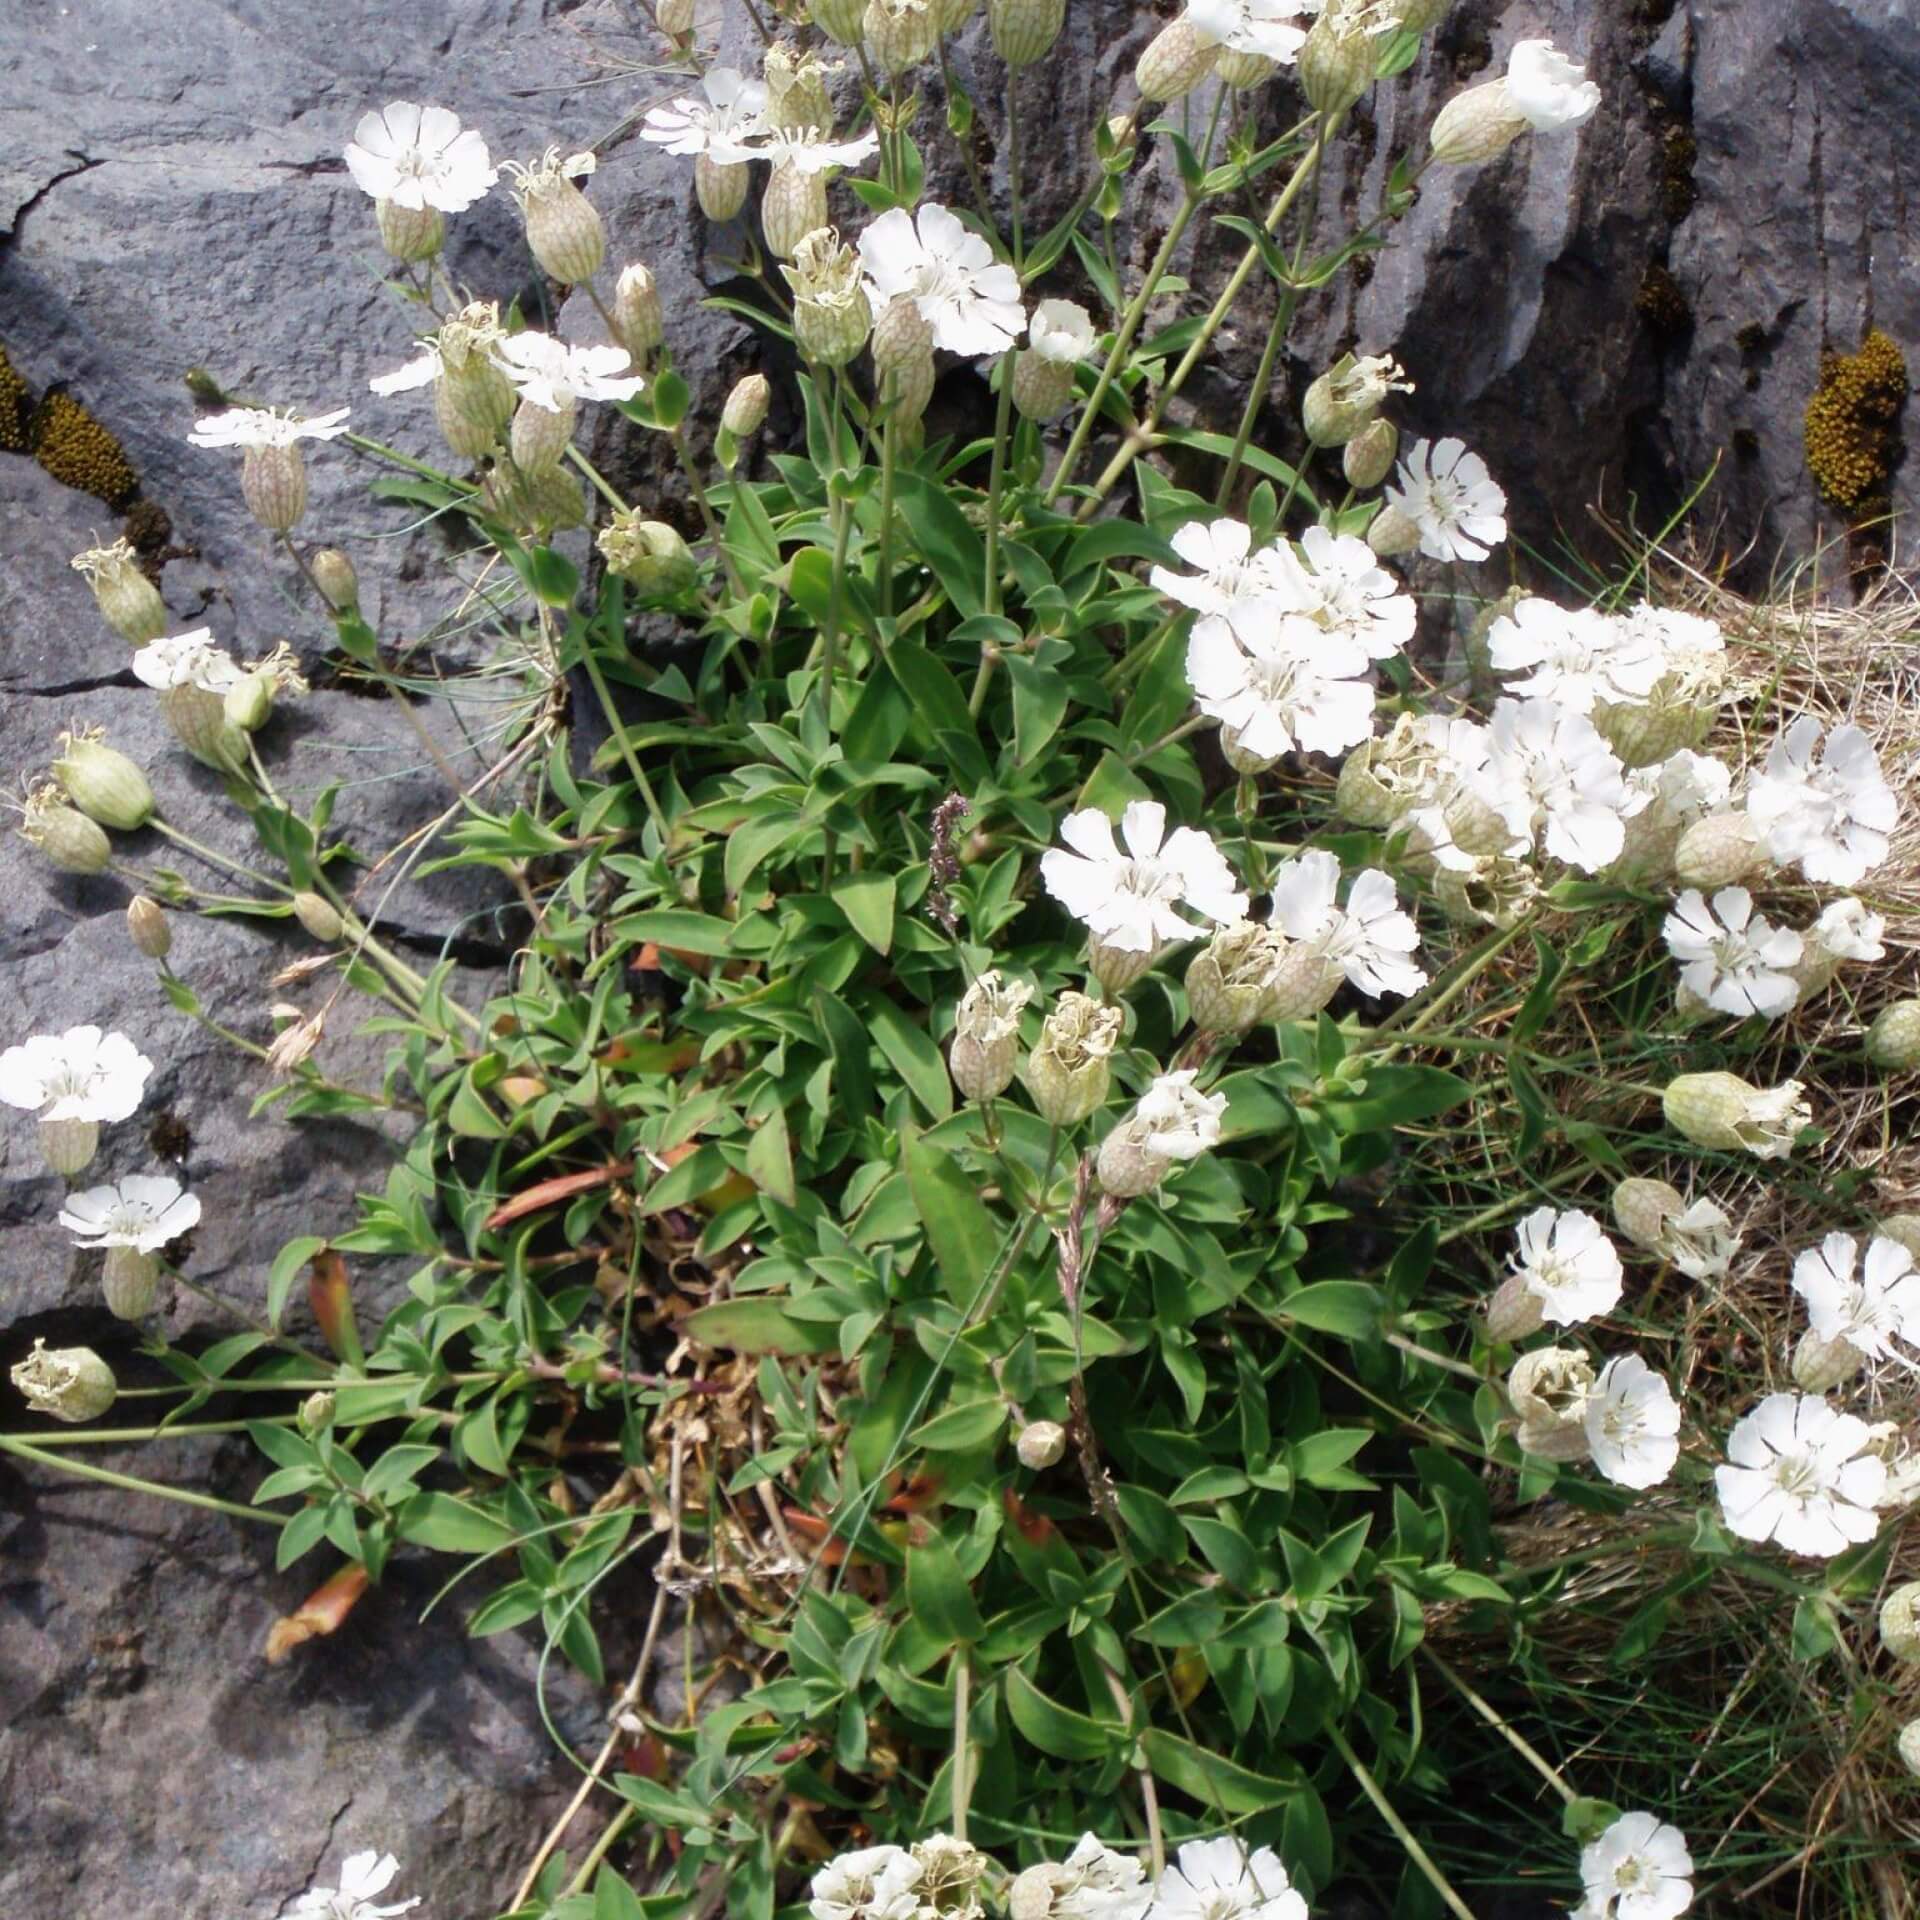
x,y
1852,423
79,452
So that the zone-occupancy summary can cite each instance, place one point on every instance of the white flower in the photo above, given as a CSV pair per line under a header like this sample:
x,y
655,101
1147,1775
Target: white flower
x,y
1699,1240
549,372
874,1883
1061,332
1568,1265
187,660
417,157
1552,91
1633,1423
1265,27
1233,580
1369,940
1128,899
1576,657
1831,814
1682,638
1548,768
1870,1309
1639,1869
266,427
82,1074
1448,494
1684,787
1175,1120
720,126
1800,1475
142,1210
808,150
969,299
1096,1883
1340,586
1848,930
1281,684
1736,960
1221,1880
362,1875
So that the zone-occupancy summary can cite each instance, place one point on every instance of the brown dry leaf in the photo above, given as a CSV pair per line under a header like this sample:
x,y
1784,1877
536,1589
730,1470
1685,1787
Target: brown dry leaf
x,y
320,1613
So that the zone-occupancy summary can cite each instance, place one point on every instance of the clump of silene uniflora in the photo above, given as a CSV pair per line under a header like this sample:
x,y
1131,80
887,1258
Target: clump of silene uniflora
x,y
986,1035
74,1081
66,1383
131,1220
1542,91
127,599
273,473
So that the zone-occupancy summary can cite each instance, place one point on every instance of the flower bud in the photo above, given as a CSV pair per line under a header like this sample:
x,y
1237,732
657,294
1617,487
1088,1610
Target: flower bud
x,y
148,927
316,1412
1719,851
1900,1622
540,436
720,186
1304,980
1042,388
68,1146
1549,1387
333,574
128,600
793,206
1909,1747
1244,71
674,18
1392,533
1476,126
103,783
1368,457
64,835
1176,60
130,1279
1024,30
1347,397
565,234
839,19
1821,1365
1337,61
410,233
471,406
69,1383
901,335
637,318
319,917
248,702
1893,1041
986,1035
649,554
1232,977
832,315
1513,1311
1642,1208
746,409
1722,1111
1042,1444
199,722
1067,1074
1032,1893
899,33
274,481
1903,1229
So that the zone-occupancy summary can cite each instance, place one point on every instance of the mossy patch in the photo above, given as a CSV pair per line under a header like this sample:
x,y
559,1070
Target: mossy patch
x,y
79,452
1852,424
15,405
1663,306
1679,153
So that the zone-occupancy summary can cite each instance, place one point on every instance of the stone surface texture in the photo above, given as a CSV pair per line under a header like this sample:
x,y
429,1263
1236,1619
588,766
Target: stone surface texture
x,y
171,196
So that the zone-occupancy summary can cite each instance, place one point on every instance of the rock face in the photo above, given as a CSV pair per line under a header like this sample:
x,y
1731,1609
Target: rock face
x,y
1600,315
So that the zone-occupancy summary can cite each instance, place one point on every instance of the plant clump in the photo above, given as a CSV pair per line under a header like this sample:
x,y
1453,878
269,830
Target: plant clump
x,y
15,405
79,452
1852,423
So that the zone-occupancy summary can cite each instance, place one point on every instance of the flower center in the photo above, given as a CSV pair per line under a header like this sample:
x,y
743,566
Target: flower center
x,y
1632,1874
941,280
1150,881
1797,1474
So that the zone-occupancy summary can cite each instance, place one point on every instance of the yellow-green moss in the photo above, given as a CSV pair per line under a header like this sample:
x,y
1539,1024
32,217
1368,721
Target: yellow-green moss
x,y
15,402
1662,305
79,452
1852,423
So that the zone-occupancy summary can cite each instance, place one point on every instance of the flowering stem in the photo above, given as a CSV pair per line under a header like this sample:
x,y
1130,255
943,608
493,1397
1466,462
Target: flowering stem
x,y
960,1786
1542,1766
886,505
644,786
234,1310
996,481
965,144
127,1436
842,517
207,854
700,500
126,1481
1401,1831
1149,1794
1013,164
1432,1359
596,479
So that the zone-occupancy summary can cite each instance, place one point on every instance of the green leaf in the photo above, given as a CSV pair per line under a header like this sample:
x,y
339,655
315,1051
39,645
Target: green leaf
x,y
1216,1782
867,899
758,1326
960,1231
947,542
961,1429
938,1595
1055,1729
551,577
913,1057
933,691
396,1469
1039,705
1349,1308
447,1525
613,1899
770,1158
470,1116
285,1270
1397,1096
677,929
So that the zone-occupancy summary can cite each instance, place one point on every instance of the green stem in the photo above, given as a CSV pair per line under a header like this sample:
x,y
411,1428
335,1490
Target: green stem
x,y
965,145
601,485
128,1483
130,1436
1013,164
996,480
961,1783
1540,1764
886,507
1401,1831
700,500
638,773
214,859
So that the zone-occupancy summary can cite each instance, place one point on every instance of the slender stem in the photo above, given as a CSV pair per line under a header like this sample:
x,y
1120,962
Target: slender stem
x,y
961,1785
1149,1794
235,1311
1013,164
214,859
1432,1359
842,516
132,1436
965,145
605,696
128,1483
600,483
1540,1764
886,504
700,500
996,480
1401,1831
